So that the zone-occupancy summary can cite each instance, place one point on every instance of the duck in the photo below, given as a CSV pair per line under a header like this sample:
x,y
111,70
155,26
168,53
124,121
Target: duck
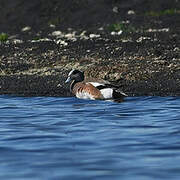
x,y
93,90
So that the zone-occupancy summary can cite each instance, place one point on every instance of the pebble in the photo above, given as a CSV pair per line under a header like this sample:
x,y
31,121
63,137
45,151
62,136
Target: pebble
x,y
57,33
116,33
52,26
27,28
94,35
41,40
115,9
61,42
158,30
17,41
101,29
143,38
130,12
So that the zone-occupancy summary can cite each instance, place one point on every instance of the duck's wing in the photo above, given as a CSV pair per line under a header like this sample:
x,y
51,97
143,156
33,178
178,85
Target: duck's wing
x,y
109,91
100,85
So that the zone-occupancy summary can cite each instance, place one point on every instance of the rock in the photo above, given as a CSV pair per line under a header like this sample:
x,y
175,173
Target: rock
x,y
27,28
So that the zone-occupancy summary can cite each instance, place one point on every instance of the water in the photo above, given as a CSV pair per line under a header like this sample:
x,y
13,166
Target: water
x,y
67,138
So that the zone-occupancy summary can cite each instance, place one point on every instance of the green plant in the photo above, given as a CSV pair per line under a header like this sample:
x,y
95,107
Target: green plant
x,y
3,37
121,27
116,27
161,13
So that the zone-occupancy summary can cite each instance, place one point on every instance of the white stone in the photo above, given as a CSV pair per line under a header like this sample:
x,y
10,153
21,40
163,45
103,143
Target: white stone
x,y
158,30
52,26
61,42
130,12
27,28
115,9
17,41
41,40
94,35
57,33
116,33
101,29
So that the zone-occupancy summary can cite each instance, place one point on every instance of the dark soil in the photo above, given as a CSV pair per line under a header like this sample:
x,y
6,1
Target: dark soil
x,y
143,59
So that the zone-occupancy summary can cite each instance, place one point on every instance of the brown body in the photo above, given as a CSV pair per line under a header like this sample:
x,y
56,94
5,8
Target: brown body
x,y
81,89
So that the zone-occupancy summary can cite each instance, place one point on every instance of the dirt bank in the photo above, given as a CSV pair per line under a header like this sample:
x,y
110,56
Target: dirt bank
x,y
134,44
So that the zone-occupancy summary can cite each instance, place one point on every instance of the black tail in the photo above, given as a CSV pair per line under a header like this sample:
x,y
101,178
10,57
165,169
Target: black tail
x,y
118,94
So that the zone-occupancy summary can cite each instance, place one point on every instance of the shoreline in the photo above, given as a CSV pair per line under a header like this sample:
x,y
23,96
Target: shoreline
x,y
138,51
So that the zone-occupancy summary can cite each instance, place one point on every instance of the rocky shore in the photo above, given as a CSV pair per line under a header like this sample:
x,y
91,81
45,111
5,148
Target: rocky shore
x,y
134,44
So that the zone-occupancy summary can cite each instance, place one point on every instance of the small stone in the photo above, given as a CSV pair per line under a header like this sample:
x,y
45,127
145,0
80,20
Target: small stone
x,y
113,33
119,32
116,33
57,33
83,33
158,30
17,41
12,37
83,36
41,40
101,29
142,38
176,49
130,12
115,9
52,26
27,28
70,35
94,35
61,42
125,22
59,85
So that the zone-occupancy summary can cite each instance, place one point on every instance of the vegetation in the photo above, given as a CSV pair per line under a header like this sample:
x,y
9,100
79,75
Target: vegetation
x,y
3,37
121,27
163,12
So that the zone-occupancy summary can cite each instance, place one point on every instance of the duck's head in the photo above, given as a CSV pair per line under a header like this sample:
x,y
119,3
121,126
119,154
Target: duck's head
x,y
75,75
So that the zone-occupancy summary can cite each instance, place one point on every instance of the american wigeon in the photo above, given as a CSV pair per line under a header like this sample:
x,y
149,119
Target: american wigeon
x,y
92,90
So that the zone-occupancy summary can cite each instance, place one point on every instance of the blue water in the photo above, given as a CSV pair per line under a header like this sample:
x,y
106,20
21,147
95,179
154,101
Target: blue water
x,y
67,138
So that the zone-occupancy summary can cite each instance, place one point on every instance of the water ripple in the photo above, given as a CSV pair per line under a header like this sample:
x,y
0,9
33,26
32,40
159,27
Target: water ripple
x,y
68,138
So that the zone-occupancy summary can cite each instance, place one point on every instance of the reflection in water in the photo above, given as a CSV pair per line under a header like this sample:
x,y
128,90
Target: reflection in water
x,y
69,138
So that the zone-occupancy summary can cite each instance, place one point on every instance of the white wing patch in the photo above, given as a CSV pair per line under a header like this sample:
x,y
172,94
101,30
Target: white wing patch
x,y
95,84
107,93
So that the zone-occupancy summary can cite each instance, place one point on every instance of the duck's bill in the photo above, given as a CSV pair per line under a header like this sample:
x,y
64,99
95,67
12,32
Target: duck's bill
x,y
68,80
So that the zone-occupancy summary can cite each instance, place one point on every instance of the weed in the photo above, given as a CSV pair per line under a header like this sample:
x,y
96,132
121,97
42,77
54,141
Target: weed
x,y
161,13
3,37
121,27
